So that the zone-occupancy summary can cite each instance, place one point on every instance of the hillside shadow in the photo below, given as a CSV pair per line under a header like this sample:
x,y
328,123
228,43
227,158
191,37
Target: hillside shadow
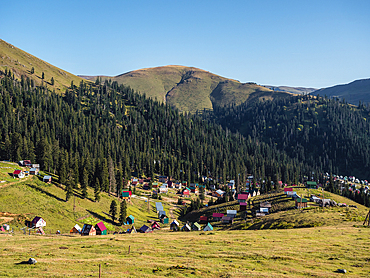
x,y
101,217
45,192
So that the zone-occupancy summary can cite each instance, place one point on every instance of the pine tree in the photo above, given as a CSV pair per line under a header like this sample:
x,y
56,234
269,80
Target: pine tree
x,y
69,186
97,190
119,179
32,70
122,213
104,176
52,81
112,176
113,210
85,181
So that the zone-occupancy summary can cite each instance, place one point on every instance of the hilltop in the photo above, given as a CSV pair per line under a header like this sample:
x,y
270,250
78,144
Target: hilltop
x,y
354,92
190,88
21,63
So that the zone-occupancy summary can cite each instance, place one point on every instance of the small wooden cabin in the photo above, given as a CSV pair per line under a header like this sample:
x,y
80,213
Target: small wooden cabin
x,y
76,229
101,229
130,219
88,230
208,228
47,179
174,226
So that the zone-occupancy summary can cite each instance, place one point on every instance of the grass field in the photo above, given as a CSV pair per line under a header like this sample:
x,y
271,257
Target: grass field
x,y
314,252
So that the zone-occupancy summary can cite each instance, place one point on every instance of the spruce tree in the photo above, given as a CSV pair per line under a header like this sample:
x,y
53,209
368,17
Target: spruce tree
x,y
85,181
122,213
97,190
113,210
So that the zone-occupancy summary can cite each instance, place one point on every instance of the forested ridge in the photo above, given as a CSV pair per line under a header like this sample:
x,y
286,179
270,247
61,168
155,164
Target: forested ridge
x,y
320,131
94,127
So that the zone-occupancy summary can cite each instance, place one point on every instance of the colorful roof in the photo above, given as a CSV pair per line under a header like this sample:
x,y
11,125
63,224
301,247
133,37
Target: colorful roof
x,y
17,172
101,226
301,200
216,214
159,206
175,222
243,204
203,218
243,196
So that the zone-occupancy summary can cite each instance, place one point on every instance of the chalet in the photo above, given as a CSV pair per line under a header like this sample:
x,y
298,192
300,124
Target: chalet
x,y
242,198
162,178
164,219
227,220
311,184
174,226
155,185
243,206
288,189
264,210
18,174
88,230
186,228
186,192
126,195
161,213
145,229
76,229
196,227
46,179
130,220
208,228
218,193
231,213
100,228
217,216
34,171
203,219
301,203
38,222
155,226
159,206
162,189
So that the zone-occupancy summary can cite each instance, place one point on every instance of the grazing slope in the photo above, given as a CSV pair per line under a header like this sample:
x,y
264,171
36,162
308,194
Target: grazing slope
x,y
191,89
21,63
354,92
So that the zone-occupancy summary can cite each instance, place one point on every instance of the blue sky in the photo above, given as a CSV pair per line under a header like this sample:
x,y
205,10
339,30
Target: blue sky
x,y
296,43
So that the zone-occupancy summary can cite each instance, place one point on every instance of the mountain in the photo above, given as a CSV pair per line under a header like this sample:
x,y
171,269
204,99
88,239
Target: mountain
x,y
21,63
354,92
191,89
293,90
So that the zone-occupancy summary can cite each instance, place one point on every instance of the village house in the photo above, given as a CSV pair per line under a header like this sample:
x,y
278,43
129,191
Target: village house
x,y
217,216
186,228
186,192
311,184
101,229
155,185
37,222
163,189
155,226
242,198
126,195
218,193
76,229
208,228
174,226
264,210
159,207
145,229
164,219
203,219
46,179
34,171
196,227
243,206
227,219
231,213
88,230
301,203
18,174
130,220
161,213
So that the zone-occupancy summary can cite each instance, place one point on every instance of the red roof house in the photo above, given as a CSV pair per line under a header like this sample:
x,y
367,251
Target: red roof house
x,y
242,198
203,219
18,174
100,228
217,216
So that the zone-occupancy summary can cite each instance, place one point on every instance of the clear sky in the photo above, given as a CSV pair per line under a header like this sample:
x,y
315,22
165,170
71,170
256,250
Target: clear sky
x,y
295,43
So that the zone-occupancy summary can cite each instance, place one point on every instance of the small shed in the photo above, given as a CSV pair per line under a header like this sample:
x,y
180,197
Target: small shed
x,y
47,179
130,219
217,216
164,219
101,229
38,222
243,206
155,226
242,198
203,219
18,174
88,230
126,194
186,228
174,226
145,229
76,229
196,227
227,220
301,203
34,171
208,228
232,213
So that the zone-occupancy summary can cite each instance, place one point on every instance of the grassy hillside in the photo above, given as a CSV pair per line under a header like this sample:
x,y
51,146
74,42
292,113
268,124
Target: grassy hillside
x,y
293,90
358,90
189,88
21,63
314,252
31,197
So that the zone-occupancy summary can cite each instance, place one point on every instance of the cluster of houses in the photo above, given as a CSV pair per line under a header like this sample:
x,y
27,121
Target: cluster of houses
x,y
175,226
34,170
